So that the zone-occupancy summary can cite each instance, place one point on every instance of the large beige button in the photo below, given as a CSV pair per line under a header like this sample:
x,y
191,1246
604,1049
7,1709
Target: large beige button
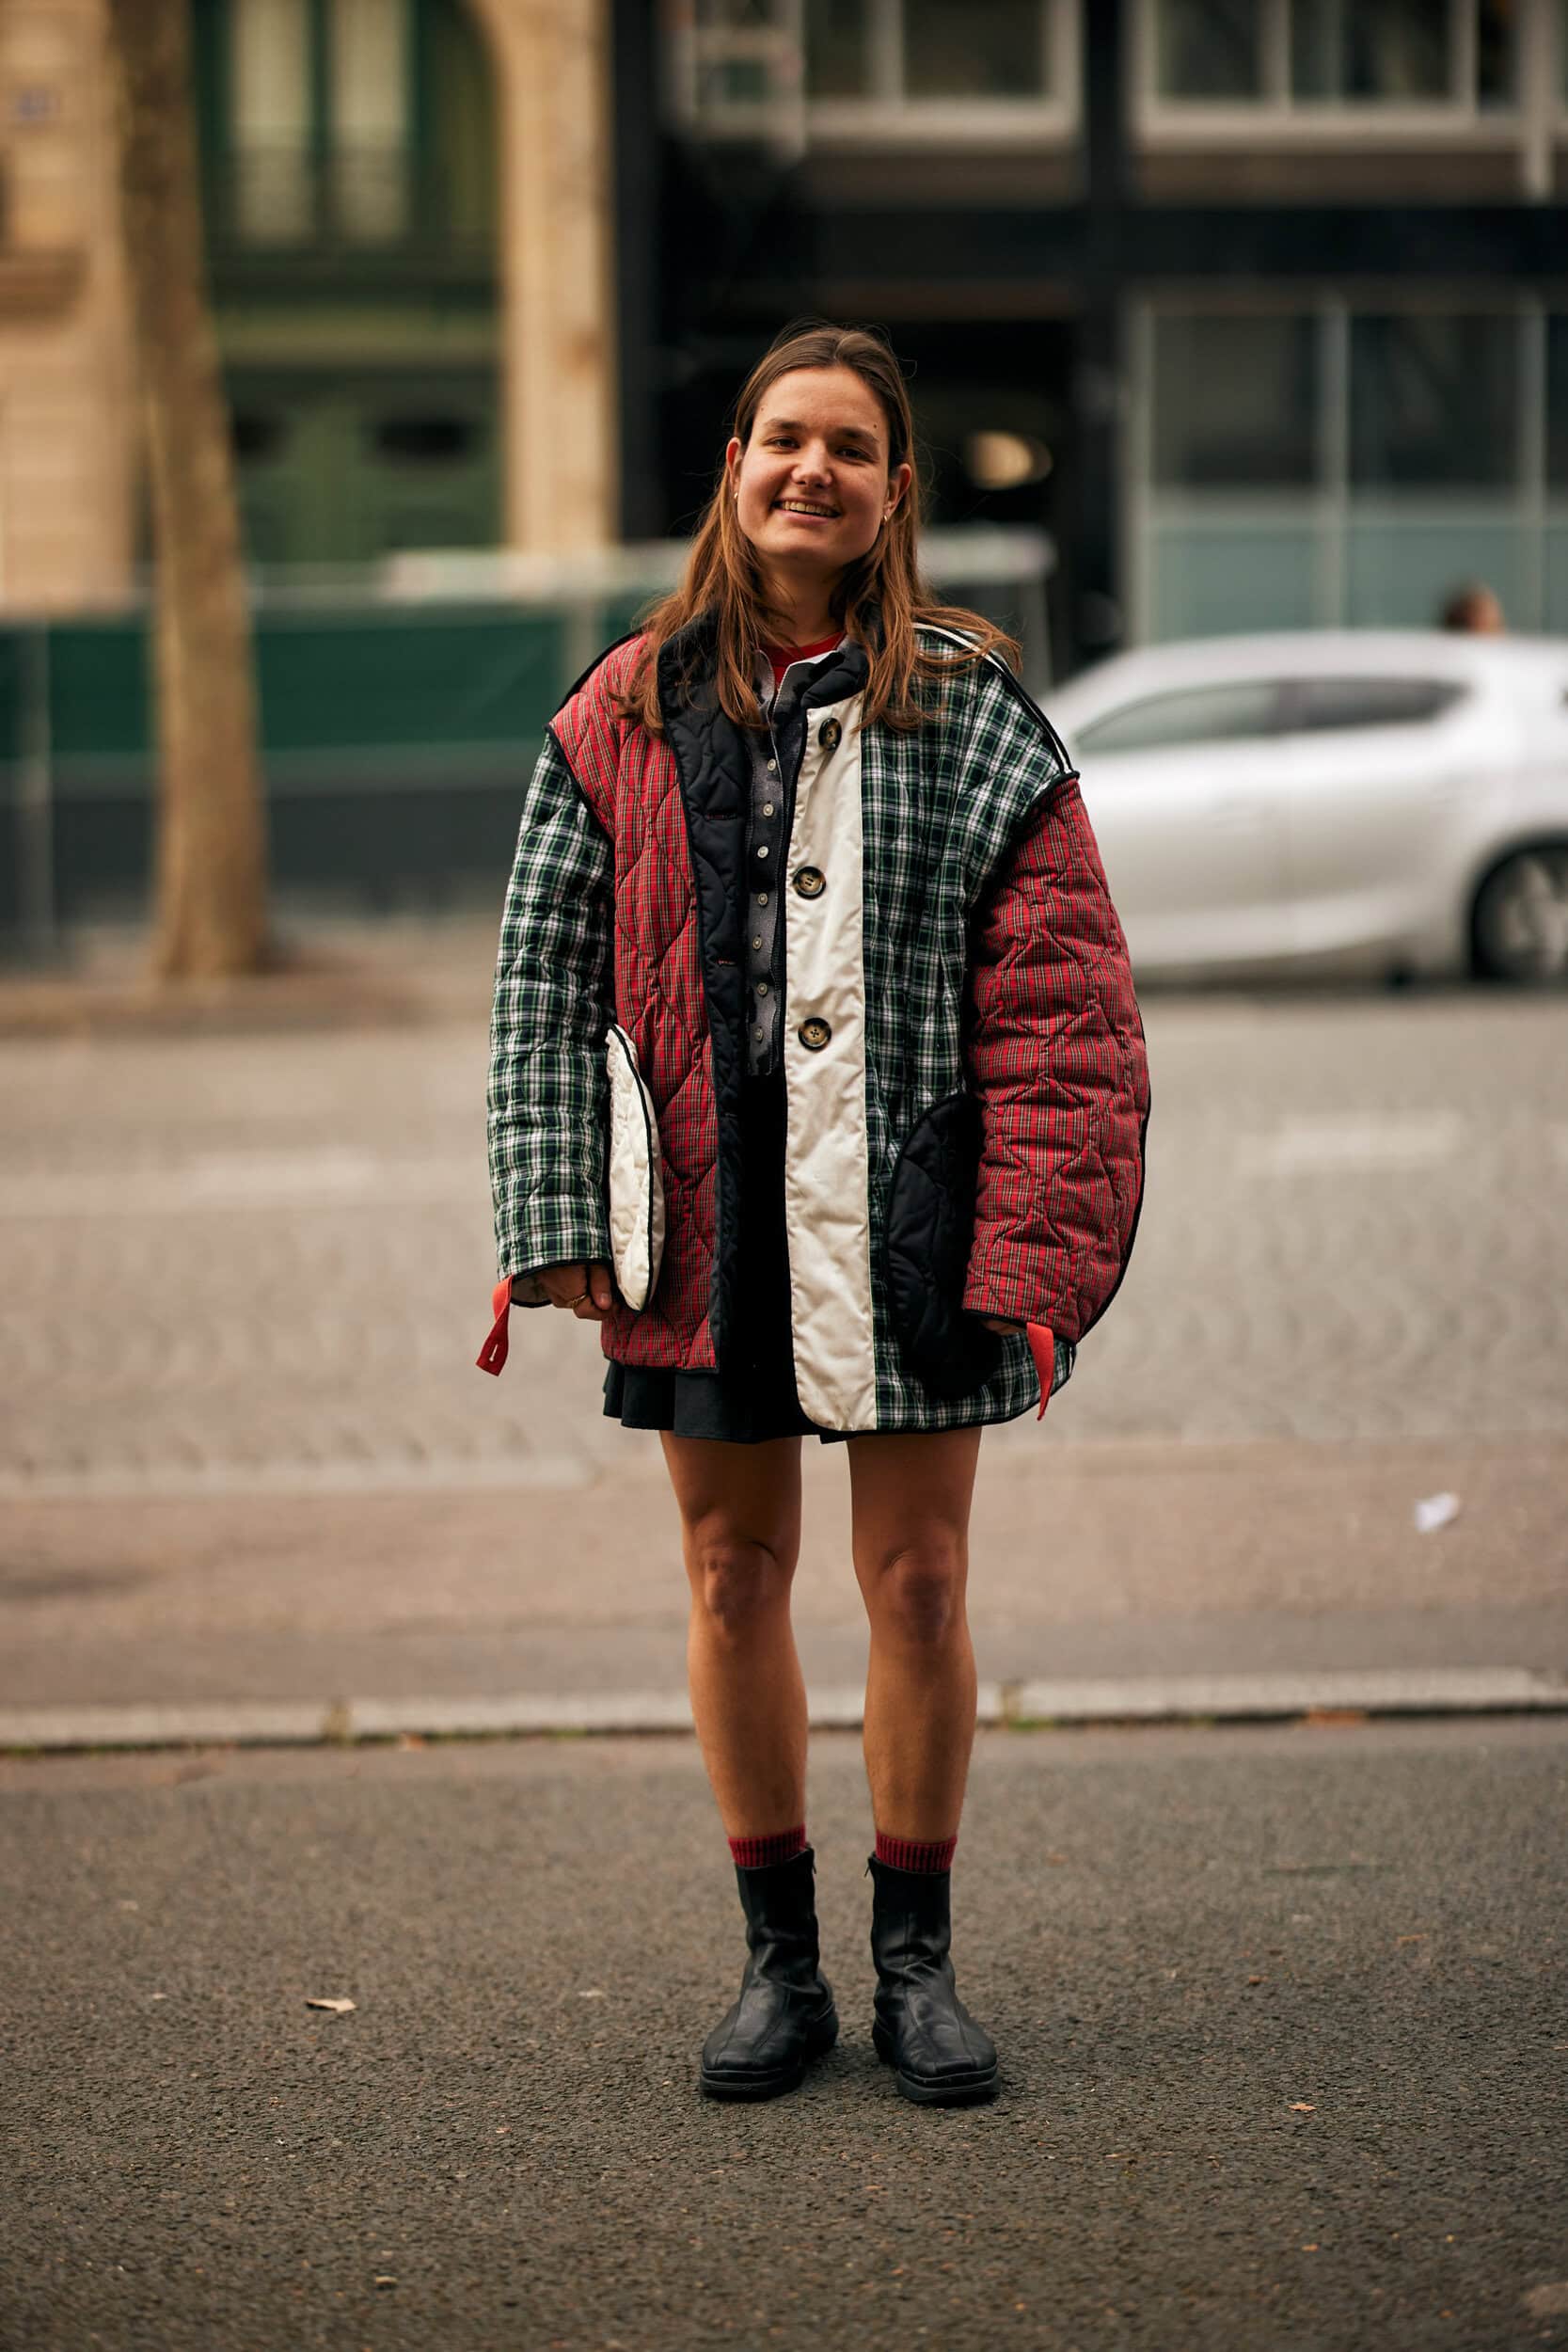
x,y
811,882
813,1035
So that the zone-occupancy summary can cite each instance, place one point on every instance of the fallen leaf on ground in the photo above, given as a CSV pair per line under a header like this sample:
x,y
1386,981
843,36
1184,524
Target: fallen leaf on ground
x,y
339,2007
1302,2106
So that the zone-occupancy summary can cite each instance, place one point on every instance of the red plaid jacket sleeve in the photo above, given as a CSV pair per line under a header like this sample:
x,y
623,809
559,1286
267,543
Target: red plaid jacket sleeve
x,y
1058,1062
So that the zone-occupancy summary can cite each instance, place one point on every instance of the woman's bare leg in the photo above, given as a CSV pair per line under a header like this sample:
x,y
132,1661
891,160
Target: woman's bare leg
x,y
740,1527
910,1498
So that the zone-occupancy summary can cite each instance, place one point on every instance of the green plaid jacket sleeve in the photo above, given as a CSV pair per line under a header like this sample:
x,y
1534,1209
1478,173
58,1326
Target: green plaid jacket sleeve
x,y
548,1094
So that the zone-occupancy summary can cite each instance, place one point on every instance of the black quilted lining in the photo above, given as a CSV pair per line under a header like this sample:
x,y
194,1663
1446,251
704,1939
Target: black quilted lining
x,y
930,1223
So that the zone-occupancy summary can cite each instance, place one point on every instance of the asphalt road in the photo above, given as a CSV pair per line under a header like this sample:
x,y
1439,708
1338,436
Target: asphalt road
x,y
1280,2014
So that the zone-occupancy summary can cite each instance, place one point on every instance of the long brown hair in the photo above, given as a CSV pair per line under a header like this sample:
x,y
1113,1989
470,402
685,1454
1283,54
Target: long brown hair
x,y
881,597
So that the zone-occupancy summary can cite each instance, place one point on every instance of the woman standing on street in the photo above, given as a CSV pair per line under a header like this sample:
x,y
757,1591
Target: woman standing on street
x,y
817,1082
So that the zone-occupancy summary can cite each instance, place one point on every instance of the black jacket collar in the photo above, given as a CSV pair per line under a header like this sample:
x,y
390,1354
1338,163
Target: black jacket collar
x,y
688,665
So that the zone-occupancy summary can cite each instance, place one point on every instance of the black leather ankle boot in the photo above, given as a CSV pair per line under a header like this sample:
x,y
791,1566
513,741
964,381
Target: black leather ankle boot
x,y
921,2028
784,2017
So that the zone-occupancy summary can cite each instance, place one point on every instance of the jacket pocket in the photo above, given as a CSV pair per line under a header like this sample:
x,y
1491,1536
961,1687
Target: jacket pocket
x,y
636,1179
930,1227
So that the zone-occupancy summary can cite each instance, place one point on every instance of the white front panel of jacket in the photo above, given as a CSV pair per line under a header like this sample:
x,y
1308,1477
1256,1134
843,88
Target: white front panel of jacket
x,y
827,1158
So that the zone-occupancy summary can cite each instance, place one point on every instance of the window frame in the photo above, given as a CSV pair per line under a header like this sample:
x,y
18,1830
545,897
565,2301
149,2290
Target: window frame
x,y
887,115
1332,507
322,151
1527,120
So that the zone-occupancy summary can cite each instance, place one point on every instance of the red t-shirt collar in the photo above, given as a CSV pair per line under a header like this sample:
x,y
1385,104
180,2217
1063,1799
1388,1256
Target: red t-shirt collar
x,y
780,657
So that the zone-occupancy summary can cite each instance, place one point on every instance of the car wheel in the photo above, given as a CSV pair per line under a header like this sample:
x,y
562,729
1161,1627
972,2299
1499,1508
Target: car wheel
x,y
1519,929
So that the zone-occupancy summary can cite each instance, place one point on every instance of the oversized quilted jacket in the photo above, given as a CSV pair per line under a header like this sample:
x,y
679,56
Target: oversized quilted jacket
x,y
964,1067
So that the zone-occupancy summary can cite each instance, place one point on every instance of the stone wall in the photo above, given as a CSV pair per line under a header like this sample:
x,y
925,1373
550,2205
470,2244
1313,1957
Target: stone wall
x,y
66,419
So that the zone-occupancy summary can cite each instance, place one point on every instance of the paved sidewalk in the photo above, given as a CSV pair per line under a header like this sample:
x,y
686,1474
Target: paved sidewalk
x,y
1135,1564
1280,2015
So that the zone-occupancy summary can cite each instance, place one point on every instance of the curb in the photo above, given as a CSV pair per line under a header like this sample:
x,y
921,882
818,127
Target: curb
x,y
1023,1706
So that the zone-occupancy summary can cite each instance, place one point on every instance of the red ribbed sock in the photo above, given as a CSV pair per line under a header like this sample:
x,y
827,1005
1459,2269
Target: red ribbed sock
x,y
779,1845
912,1853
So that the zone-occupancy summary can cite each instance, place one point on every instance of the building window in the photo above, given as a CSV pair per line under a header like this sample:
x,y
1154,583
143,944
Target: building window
x,y
359,123
787,69
370,95
1434,401
838,48
1237,402
1315,56
1209,49
1346,468
985,49
270,118
1557,403
1396,51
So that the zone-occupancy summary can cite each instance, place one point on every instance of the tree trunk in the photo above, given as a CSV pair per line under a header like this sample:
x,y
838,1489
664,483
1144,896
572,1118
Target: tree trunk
x,y
212,853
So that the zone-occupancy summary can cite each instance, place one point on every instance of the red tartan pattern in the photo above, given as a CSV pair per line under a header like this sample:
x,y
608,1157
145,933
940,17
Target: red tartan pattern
x,y
1056,1058
632,785
1054,1052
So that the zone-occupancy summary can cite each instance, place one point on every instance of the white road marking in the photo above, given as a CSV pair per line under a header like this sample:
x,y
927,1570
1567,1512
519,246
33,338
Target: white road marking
x,y
1357,1141
245,1179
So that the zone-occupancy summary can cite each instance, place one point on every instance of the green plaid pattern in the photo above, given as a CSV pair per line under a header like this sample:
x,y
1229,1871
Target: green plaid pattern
x,y
941,808
946,809
547,1100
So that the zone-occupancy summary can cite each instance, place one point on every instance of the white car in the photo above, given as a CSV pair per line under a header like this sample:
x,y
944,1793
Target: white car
x,y
1386,802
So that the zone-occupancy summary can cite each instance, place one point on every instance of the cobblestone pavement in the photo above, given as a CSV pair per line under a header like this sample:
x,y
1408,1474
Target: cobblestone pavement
x,y
265,1262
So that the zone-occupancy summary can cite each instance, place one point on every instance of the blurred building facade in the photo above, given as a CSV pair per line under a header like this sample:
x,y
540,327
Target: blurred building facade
x,y
1278,285
1259,307
408,209
66,469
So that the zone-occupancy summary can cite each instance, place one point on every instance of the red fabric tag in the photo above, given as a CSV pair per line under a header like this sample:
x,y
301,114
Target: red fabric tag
x,y
1042,1346
491,1356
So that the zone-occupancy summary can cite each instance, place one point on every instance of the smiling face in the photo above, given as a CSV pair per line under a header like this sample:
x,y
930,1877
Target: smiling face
x,y
812,485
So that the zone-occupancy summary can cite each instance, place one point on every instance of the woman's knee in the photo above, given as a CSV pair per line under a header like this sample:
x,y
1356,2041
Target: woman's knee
x,y
915,1593
738,1581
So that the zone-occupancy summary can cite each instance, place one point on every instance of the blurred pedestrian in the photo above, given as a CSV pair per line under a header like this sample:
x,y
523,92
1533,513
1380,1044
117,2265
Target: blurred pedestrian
x,y
884,1216
1474,608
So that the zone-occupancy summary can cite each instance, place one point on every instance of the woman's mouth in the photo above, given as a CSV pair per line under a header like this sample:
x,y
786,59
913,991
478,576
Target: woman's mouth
x,y
808,507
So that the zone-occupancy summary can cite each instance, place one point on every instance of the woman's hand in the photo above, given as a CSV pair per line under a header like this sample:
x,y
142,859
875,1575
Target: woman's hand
x,y
998,1323
585,1289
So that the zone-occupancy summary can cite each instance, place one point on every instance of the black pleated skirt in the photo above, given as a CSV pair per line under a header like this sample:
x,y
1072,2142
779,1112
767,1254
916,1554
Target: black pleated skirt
x,y
754,1398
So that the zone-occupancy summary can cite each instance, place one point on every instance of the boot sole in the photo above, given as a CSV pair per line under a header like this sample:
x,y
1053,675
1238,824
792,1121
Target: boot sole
x,y
965,2090
771,2086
